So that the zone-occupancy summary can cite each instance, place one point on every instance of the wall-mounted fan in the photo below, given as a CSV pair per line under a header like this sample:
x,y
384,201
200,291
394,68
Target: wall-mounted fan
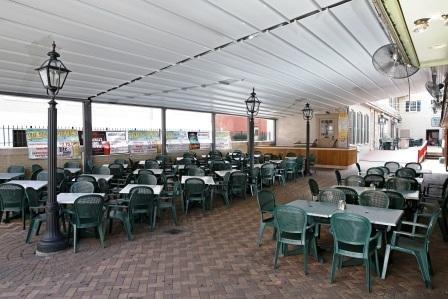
x,y
387,60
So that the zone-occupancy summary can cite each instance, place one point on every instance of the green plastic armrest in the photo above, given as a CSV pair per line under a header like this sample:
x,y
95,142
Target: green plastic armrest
x,y
414,224
409,234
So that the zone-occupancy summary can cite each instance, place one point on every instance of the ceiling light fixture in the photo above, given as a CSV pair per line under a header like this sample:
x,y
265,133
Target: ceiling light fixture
x,y
421,25
438,46
445,19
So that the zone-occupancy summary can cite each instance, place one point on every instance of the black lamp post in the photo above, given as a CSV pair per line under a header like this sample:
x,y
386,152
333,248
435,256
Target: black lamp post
x,y
53,74
252,106
307,115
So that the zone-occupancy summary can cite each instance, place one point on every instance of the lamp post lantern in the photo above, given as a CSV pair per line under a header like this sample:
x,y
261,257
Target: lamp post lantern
x,y
307,115
252,106
53,74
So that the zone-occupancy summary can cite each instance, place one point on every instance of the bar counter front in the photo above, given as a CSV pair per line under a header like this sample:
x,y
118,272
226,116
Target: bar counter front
x,y
326,157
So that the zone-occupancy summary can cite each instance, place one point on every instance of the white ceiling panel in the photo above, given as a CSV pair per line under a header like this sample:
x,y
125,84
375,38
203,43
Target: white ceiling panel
x,y
196,54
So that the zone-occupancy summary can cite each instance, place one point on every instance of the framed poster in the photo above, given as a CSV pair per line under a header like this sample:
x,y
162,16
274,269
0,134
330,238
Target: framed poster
x,y
68,145
143,142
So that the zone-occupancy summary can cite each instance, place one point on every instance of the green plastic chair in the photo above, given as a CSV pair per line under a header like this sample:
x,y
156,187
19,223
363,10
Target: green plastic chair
x,y
82,187
222,188
280,172
266,207
374,198
292,228
375,170
147,179
12,198
414,165
352,238
36,167
374,179
339,179
415,242
351,196
392,166
151,164
196,171
405,172
396,200
72,164
37,212
354,181
314,188
401,184
267,173
16,169
167,199
87,212
299,166
88,178
100,170
238,184
331,195
195,190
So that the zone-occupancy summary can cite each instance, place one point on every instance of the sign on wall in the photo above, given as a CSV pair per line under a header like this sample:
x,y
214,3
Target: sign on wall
x,y
100,146
223,140
118,143
68,145
342,129
177,141
194,141
435,122
143,142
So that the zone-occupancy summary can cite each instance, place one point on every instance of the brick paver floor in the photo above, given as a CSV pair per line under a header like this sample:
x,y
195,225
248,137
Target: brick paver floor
x,y
214,255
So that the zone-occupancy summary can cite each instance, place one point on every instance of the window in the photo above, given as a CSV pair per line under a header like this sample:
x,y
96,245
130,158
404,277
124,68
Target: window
x,y
359,127
413,106
230,130
366,119
264,129
178,125
351,127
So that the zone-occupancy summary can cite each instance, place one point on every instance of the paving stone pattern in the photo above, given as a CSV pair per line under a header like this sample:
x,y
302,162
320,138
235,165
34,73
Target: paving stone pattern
x,y
209,255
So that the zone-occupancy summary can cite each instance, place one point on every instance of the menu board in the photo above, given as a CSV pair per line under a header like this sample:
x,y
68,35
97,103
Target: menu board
x,y
143,142
68,146
342,129
117,142
223,141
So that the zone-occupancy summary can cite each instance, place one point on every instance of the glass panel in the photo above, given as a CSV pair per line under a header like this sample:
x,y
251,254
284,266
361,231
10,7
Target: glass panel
x,y
265,129
231,132
181,125
407,106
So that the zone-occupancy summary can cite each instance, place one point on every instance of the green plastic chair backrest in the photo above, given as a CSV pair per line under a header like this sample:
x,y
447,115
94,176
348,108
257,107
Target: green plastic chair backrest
x,y
351,196
385,169
396,200
86,178
266,201
414,165
177,188
405,172
217,165
35,167
16,169
71,164
141,197
434,218
215,153
42,175
35,173
267,170
354,181
312,159
375,170
375,179
399,184
358,167
82,187
121,161
88,210
374,198
331,195
186,161
290,154
103,186
392,166
116,169
11,195
290,219
196,171
151,164
194,186
147,179
227,166
100,170
32,196
145,171
226,178
350,229
282,165
314,187
238,179
255,172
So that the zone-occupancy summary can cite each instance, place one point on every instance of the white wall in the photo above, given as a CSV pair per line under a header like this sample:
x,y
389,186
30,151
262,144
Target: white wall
x,y
292,129
418,122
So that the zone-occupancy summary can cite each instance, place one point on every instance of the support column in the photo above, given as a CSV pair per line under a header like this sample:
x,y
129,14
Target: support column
x,y
213,131
307,153
163,131
87,133
251,142
53,240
